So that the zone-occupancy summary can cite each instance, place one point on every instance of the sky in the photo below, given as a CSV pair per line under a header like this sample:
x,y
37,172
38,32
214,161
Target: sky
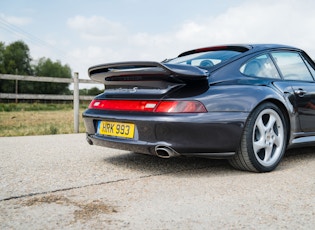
x,y
91,32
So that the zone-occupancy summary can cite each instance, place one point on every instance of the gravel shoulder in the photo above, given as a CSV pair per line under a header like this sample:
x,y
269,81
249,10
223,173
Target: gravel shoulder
x,y
60,182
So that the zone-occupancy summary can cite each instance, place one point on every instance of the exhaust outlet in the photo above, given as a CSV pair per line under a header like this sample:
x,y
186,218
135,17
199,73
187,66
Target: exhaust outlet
x,y
165,152
89,140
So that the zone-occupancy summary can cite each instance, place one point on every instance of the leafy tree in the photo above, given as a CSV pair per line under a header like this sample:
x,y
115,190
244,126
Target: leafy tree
x,y
95,91
92,91
15,60
2,49
48,68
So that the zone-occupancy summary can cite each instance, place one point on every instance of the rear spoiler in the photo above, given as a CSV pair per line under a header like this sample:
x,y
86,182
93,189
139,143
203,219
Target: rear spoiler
x,y
123,73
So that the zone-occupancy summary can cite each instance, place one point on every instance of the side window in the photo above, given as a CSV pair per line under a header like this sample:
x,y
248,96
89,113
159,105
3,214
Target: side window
x,y
261,66
309,67
292,66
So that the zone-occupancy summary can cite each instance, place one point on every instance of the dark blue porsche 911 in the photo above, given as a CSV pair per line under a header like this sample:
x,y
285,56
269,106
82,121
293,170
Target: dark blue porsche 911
x,y
246,103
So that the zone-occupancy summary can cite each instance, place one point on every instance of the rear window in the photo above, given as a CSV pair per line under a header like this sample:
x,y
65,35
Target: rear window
x,y
205,59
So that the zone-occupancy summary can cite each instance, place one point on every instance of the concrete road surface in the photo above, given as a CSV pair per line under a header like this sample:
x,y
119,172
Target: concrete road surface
x,y
60,182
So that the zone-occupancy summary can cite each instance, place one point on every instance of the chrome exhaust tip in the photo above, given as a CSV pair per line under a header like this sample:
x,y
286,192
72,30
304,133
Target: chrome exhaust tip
x,y
165,152
89,140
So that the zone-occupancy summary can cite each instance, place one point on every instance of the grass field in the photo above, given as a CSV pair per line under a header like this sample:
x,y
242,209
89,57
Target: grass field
x,y
37,119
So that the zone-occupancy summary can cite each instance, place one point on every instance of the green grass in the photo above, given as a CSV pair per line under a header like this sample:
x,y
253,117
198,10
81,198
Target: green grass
x,y
37,119
10,107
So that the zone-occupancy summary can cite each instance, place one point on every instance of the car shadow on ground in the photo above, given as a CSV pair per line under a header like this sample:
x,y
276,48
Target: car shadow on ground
x,y
294,158
300,151
193,165
155,165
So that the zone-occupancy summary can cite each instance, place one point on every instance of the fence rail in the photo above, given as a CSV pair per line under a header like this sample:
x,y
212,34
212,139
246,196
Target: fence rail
x,y
75,97
44,79
43,97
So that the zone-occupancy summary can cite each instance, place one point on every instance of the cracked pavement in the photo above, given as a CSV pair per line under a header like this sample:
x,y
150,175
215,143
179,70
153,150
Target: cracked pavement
x,y
59,181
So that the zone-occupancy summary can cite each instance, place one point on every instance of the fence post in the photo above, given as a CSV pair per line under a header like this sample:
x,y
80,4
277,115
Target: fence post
x,y
76,101
16,90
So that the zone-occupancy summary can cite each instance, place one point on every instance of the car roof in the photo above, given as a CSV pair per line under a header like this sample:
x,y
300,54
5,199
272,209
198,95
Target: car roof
x,y
238,47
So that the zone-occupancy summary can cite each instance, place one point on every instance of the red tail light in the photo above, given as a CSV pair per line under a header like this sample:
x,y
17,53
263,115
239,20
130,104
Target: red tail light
x,y
180,107
149,106
124,105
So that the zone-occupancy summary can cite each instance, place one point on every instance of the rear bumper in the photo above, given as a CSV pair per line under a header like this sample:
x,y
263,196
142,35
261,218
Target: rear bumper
x,y
214,135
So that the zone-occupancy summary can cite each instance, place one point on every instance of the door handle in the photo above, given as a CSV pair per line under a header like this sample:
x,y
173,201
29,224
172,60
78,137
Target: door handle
x,y
300,92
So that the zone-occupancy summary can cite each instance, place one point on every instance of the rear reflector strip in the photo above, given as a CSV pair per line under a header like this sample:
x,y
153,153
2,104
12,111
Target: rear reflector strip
x,y
124,105
149,106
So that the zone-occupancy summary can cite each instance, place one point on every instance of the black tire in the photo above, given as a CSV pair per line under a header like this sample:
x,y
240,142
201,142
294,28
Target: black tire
x,y
263,140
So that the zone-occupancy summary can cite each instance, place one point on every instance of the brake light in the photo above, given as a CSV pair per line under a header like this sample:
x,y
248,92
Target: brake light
x,y
124,105
149,106
180,107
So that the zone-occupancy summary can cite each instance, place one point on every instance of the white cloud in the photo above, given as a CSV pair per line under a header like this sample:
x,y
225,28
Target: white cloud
x,y
268,21
288,22
16,21
96,28
90,52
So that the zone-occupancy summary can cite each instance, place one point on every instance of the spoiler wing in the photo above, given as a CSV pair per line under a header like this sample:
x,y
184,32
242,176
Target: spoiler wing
x,y
124,73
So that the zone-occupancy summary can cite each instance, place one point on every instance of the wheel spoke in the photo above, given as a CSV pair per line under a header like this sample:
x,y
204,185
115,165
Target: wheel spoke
x,y
268,152
277,140
261,127
271,122
258,145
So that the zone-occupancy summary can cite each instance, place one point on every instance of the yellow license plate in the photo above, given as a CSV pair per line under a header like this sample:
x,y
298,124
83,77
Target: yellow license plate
x,y
116,129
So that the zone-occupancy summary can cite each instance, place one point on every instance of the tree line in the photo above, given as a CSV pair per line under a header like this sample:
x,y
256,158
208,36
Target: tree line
x,y
15,59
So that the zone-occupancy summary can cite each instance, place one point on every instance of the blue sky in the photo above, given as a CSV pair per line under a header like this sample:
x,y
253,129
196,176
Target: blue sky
x,y
85,33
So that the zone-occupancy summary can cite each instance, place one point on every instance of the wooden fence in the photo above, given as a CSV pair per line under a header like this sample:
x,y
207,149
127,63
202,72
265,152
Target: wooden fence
x,y
75,97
